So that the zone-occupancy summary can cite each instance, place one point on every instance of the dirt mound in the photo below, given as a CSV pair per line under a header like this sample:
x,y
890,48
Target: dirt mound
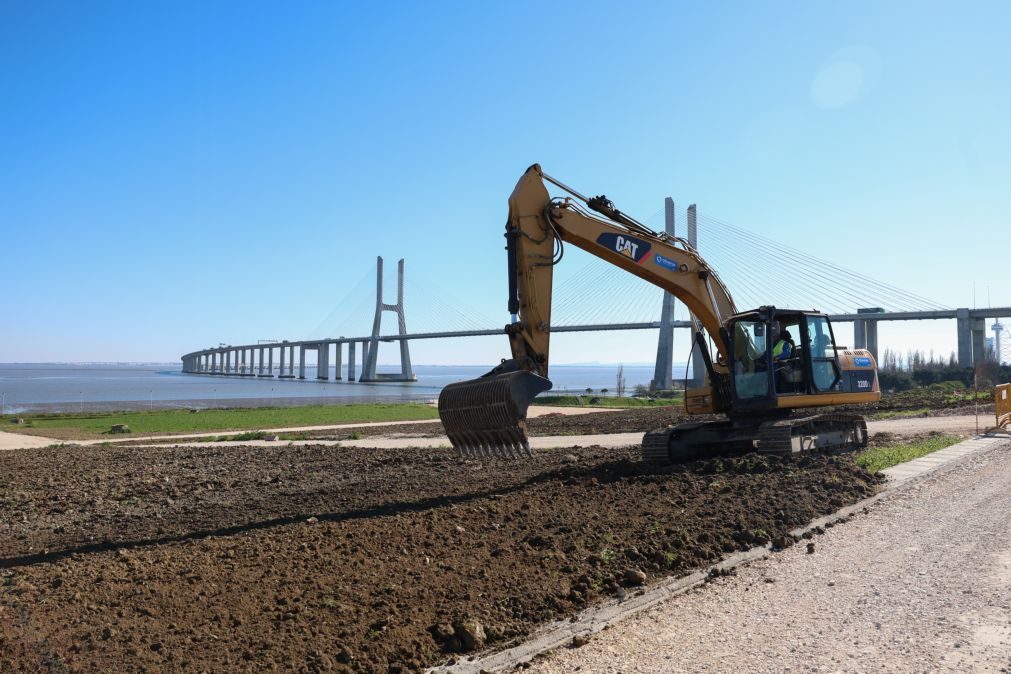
x,y
357,560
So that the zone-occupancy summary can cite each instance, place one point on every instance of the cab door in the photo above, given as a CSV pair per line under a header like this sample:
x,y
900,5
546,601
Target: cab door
x,y
823,362
751,369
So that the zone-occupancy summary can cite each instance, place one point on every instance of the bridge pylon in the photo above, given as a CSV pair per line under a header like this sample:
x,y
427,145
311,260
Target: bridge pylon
x,y
372,352
663,375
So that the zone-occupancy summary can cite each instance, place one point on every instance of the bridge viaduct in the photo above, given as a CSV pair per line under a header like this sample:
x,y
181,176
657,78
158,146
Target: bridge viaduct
x,y
259,360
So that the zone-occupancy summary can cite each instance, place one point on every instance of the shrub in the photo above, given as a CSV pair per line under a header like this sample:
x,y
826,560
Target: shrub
x,y
895,381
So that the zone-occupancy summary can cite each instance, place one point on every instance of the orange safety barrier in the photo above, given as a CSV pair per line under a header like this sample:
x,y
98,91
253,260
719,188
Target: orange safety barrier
x,y
1002,405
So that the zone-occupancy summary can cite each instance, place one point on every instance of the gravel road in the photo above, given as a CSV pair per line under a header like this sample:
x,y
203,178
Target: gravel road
x,y
19,441
920,582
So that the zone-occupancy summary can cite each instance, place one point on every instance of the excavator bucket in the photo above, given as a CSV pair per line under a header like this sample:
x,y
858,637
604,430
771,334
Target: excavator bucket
x,y
486,417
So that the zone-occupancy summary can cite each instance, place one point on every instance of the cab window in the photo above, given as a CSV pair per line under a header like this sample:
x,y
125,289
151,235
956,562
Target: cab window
x,y
751,377
824,369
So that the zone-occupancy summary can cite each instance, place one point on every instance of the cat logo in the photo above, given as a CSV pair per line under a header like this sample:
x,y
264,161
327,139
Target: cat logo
x,y
626,247
629,246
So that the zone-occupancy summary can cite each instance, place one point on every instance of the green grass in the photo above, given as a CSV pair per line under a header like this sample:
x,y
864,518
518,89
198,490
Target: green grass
x,y
985,395
899,414
237,419
879,458
603,401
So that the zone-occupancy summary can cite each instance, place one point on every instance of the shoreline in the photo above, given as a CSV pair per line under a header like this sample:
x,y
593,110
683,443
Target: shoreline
x,y
71,407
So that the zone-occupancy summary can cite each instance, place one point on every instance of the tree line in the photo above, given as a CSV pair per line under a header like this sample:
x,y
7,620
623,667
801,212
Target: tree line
x,y
900,372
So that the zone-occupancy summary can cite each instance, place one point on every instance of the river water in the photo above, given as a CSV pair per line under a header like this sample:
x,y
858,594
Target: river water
x,y
95,387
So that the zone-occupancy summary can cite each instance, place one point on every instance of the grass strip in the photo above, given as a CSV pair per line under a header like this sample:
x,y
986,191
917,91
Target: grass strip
x,y
899,414
234,419
876,459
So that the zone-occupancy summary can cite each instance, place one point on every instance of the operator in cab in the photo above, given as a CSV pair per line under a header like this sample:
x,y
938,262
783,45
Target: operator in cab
x,y
783,348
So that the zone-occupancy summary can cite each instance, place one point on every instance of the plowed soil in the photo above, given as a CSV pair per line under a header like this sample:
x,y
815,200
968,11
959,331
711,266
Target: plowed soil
x,y
617,421
317,558
610,421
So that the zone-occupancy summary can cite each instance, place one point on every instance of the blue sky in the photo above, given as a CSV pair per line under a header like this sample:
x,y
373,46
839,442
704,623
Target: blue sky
x,y
179,174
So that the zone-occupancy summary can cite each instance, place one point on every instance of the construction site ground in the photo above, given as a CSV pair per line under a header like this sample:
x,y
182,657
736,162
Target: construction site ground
x,y
920,582
317,555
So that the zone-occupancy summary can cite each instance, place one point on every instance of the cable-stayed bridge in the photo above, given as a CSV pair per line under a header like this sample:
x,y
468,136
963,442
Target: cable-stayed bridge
x,y
592,295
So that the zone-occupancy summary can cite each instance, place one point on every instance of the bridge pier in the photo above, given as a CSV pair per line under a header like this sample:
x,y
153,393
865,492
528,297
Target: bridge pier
x,y
365,359
865,331
323,361
964,332
971,338
280,372
351,361
301,361
978,327
270,361
338,356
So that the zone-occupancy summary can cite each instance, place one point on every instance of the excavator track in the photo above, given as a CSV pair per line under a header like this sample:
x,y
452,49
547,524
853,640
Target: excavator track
x,y
656,445
691,441
822,432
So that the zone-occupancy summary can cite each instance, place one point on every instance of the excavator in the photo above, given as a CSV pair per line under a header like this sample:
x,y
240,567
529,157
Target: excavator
x,y
768,370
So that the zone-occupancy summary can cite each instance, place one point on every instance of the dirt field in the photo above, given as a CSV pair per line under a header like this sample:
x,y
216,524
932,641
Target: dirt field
x,y
635,420
318,558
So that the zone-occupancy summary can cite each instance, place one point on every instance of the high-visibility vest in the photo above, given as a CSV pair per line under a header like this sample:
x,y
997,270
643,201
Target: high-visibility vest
x,y
777,350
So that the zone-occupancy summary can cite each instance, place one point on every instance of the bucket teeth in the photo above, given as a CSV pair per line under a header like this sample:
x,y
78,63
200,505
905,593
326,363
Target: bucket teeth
x,y
486,417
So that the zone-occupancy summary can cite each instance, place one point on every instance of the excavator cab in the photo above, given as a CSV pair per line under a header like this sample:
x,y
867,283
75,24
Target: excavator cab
x,y
783,359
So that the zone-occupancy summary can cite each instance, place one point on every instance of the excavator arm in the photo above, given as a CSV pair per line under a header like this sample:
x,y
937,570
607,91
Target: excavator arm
x,y
486,416
538,229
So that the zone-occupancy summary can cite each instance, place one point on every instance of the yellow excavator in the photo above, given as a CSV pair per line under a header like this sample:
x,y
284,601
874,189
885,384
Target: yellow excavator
x,y
769,365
